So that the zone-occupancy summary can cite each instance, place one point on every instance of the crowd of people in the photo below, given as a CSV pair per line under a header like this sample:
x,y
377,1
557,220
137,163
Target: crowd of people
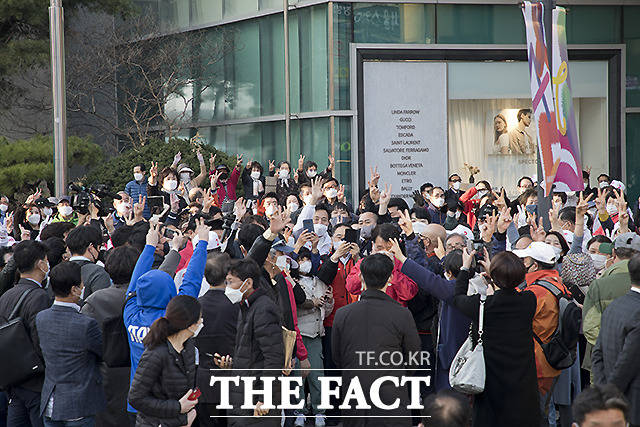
x,y
127,311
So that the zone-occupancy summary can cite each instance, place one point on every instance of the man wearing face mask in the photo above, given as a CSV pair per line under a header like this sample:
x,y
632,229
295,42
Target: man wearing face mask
x,y
138,187
453,193
286,184
308,170
123,209
436,206
259,343
71,345
65,212
227,182
32,264
614,282
84,244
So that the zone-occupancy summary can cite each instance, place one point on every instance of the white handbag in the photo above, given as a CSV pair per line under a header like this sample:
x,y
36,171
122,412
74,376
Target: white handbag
x,y
467,373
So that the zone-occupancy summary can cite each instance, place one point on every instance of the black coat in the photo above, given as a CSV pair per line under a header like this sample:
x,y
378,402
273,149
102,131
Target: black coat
x,y
374,324
510,396
259,346
218,335
35,302
162,378
615,355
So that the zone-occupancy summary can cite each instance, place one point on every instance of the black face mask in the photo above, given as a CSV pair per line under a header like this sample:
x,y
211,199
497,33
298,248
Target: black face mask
x,y
224,176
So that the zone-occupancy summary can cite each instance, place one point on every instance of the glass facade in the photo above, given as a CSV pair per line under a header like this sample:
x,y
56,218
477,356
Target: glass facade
x,y
251,87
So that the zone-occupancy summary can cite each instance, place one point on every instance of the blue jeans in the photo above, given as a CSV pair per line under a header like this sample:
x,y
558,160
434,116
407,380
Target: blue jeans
x,y
83,422
24,408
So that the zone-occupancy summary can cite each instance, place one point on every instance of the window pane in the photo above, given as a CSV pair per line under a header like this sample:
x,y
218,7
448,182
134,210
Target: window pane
x,y
271,4
174,14
632,40
342,36
272,65
633,154
593,24
480,24
342,137
205,11
242,72
312,52
239,7
393,23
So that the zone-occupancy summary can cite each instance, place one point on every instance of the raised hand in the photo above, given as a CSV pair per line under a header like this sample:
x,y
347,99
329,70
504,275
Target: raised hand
x,y
223,362
240,208
405,223
582,206
621,203
138,208
375,177
208,200
212,161
202,230
238,160
200,156
304,237
177,158
272,165
153,235
374,193
489,227
537,231
417,198
153,170
177,241
301,162
33,197
24,233
249,163
8,222
467,258
341,196
214,179
316,190
500,201
385,196
396,251
554,218
440,250
332,162
277,222
504,220
601,201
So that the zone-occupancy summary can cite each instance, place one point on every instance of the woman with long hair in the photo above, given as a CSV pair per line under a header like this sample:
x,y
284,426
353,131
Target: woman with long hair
x,y
162,387
510,396
501,137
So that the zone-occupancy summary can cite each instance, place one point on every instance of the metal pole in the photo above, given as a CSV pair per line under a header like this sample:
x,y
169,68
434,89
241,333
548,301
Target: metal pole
x,y
287,104
544,203
332,119
56,27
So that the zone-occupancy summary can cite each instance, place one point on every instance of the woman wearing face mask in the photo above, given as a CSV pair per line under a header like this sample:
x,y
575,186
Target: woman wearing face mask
x,y
253,181
308,170
559,244
167,185
27,220
286,184
472,199
599,258
162,387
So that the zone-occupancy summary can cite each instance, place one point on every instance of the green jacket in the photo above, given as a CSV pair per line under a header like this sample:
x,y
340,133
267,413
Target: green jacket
x,y
613,283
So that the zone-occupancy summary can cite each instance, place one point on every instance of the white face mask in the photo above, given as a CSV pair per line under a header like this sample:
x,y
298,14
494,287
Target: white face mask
x,y
123,208
557,251
283,174
612,209
307,199
456,185
138,176
170,184
337,244
185,176
198,329
331,193
46,273
482,193
293,207
34,219
47,211
311,173
599,261
305,267
234,295
320,229
65,210
282,263
269,210
255,174
438,203
4,208
603,184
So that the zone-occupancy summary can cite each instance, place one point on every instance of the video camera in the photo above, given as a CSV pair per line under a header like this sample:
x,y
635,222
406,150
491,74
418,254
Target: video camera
x,y
86,196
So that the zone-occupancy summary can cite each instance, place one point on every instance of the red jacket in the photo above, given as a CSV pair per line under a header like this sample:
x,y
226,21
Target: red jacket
x,y
402,289
469,205
340,293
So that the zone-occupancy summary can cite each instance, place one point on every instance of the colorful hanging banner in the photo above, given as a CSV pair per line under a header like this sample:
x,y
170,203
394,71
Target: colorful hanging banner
x,y
541,94
569,174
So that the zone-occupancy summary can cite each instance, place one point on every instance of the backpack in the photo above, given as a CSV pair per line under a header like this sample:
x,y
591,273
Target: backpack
x,y
115,340
19,360
561,349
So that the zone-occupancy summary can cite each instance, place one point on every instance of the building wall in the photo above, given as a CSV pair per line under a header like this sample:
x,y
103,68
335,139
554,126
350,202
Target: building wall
x,y
247,113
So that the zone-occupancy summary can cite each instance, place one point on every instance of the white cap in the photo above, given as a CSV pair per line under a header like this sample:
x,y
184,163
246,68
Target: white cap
x,y
419,227
618,185
461,229
214,241
539,251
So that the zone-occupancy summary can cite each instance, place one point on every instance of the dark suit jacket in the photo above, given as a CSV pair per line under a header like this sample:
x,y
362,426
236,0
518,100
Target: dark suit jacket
x,y
382,326
615,356
71,344
35,302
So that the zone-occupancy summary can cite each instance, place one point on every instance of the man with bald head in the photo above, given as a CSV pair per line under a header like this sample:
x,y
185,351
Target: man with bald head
x,y
431,236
